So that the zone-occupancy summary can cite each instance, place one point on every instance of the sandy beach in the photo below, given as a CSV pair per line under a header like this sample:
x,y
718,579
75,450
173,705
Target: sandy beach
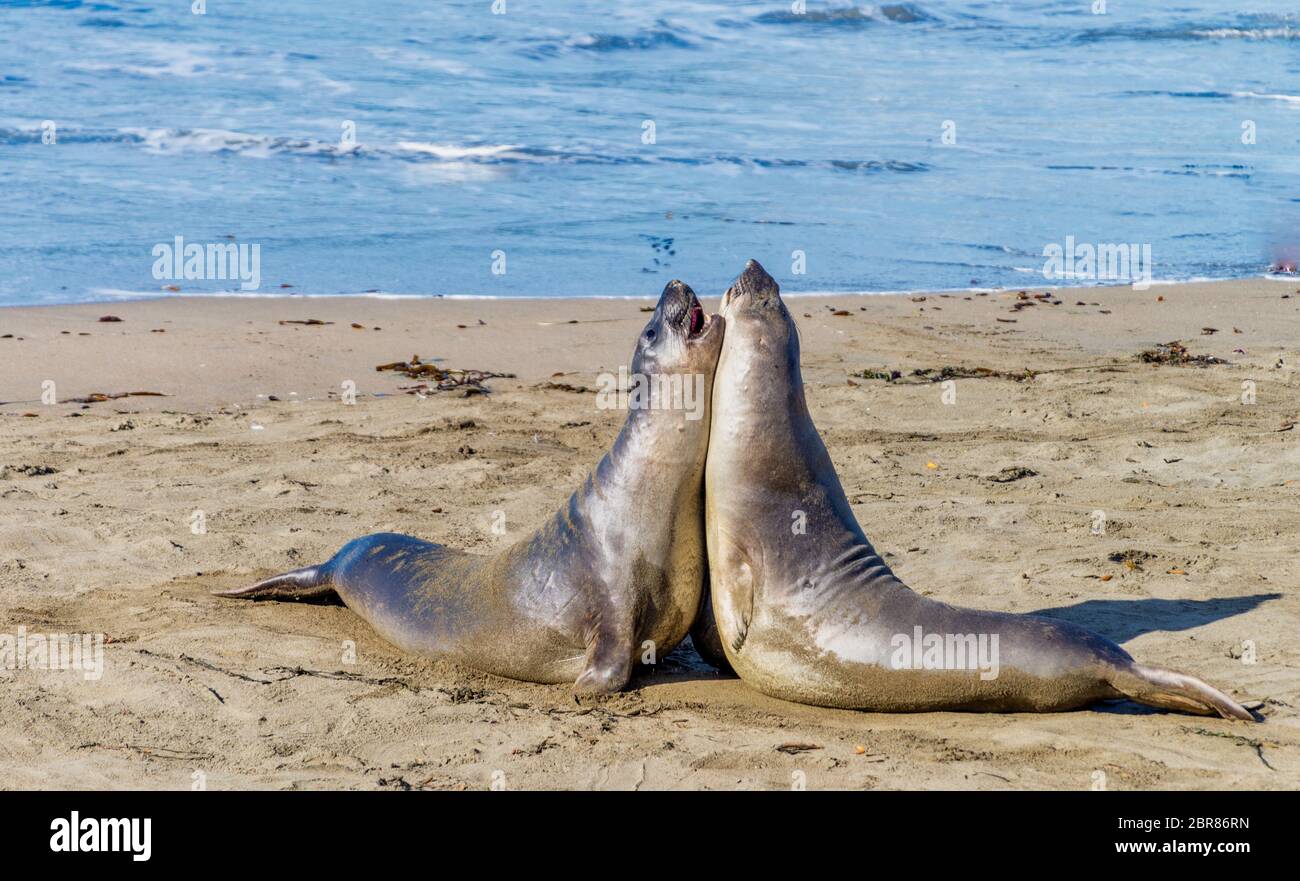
x,y
121,516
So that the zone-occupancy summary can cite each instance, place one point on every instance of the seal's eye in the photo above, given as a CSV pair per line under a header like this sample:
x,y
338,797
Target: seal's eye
x,y
650,333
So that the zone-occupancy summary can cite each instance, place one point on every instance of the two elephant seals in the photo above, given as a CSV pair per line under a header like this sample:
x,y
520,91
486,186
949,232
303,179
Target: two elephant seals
x,y
814,615
621,563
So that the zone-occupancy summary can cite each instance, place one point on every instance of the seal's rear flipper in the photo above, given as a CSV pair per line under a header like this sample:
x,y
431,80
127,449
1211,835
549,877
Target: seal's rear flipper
x,y
310,584
1171,690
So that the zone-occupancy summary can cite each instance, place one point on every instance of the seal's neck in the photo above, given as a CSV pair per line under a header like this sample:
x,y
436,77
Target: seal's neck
x,y
656,447
649,475
776,484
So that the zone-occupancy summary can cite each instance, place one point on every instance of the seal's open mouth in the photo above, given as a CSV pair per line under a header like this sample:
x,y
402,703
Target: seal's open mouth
x,y
692,319
696,318
680,310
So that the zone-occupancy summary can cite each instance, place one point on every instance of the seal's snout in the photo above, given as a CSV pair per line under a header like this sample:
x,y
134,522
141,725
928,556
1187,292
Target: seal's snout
x,y
682,308
678,290
754,286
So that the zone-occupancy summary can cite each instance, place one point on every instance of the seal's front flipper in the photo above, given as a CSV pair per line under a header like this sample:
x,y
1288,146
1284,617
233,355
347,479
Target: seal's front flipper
x,y
312,584
733,608
705,638
1171,690
603,676
609,662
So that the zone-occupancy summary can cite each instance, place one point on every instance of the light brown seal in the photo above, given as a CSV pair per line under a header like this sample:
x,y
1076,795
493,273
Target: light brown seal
x,y
805,608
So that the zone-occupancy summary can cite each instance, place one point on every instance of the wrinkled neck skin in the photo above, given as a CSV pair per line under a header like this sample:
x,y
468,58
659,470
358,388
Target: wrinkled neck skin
x,y
782,538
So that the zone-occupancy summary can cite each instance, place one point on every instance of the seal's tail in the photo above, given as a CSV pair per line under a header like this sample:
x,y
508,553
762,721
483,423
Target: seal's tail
x,y
310,584
1171,690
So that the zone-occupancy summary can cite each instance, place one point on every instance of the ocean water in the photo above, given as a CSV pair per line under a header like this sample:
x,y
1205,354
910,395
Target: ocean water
x,y
592,148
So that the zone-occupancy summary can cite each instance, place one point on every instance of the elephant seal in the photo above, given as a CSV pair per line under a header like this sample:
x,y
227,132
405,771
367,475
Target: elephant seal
x,y
805,608
622,562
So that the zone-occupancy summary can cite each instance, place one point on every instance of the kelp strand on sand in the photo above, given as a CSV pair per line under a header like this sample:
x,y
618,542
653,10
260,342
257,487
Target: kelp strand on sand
x,y
98,397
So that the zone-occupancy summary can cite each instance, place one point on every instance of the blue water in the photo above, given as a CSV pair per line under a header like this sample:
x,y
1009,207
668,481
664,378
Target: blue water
x,y
523,133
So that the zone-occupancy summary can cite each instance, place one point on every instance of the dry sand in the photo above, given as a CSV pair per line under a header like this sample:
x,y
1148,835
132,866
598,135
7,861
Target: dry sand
x,y
1198,488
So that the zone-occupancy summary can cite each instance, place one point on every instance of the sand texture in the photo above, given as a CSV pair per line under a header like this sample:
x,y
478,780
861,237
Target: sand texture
x,y
987,501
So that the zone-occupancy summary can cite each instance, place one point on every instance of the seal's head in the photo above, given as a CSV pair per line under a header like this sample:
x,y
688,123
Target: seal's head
x,y
680,338
758,375
753,291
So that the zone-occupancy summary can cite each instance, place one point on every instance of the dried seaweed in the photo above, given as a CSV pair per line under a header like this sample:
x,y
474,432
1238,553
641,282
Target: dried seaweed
x,y
1012,473
441,379
563,387
923,375
1175,352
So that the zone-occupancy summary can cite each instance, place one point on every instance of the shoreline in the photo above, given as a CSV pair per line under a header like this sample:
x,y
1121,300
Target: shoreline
x,y
116,296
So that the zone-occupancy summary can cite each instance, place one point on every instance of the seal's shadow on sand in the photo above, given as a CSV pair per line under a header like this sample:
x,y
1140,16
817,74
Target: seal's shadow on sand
x,y
1122,620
